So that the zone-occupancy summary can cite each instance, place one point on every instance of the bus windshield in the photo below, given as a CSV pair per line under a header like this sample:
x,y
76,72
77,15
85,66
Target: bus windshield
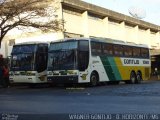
x,y
23,57
63,56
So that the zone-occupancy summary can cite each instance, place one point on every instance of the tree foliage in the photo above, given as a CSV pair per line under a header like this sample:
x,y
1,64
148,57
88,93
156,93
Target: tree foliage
x,y
23,14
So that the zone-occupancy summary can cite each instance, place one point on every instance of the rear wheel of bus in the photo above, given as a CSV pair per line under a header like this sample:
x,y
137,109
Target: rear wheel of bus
x,y
133,77
94,79
139,78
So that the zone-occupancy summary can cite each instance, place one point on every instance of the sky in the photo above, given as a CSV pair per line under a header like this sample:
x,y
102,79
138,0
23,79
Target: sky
x,y
149,8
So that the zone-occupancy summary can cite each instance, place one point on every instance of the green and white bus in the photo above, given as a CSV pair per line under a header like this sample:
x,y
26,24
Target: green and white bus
x,y
29,63
94,60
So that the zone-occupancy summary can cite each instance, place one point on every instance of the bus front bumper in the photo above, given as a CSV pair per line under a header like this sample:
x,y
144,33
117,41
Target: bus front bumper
x,y
62,79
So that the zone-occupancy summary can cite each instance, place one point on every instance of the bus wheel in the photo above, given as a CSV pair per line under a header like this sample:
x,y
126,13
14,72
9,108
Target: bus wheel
x,y
139,78
93,79
133,78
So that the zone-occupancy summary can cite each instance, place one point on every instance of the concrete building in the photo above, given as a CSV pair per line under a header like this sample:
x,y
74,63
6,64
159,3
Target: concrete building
x,y
84,19
87,20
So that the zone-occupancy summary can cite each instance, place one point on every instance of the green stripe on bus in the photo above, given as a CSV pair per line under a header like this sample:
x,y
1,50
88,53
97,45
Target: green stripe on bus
x,y
107,67
115,68
111,68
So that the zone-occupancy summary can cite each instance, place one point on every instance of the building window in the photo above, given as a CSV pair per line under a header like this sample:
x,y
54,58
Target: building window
x,y
142,29
129,26
94,17
72,11
72,35
113,21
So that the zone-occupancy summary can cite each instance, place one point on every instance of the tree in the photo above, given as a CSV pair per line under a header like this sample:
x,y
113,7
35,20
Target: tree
x,y
24,14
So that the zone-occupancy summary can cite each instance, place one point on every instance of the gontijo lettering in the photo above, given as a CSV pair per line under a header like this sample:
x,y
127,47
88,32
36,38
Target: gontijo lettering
x,y
131,61
145,62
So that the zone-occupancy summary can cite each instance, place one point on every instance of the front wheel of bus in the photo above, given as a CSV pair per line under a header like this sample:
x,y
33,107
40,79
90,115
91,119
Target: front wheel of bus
x,y
93,79
133,78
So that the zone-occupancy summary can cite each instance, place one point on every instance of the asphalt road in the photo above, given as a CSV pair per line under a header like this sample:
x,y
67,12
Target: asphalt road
x,y
109,99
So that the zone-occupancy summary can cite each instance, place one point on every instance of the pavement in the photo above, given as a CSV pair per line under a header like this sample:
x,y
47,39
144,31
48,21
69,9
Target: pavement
x,y
59,102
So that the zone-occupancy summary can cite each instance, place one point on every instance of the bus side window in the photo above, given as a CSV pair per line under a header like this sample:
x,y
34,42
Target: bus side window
x,y
127,51
136,52
107,49
144,52
83,55
118,50
96,48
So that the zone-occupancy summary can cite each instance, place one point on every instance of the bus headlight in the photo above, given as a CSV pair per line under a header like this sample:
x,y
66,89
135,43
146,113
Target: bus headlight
x,y
49,73
30,74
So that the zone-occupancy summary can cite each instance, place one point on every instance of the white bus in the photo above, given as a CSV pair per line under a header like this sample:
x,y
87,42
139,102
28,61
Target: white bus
x,y
94,60
29,63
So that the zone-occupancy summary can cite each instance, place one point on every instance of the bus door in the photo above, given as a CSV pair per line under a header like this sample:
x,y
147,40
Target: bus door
x,y
41,60
83,61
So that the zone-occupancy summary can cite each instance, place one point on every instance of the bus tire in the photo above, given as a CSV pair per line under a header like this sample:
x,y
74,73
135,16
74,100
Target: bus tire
x,y
94,79
139,78
133,78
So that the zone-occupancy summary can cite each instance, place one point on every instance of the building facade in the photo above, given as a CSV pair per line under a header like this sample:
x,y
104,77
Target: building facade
x,y
87,20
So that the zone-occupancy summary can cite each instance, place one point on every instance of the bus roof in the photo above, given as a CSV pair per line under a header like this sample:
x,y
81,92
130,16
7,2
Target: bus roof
x,y
69,39
120,42
104,40
32,42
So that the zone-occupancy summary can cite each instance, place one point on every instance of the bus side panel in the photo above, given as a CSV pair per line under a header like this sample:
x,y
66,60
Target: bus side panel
x,y
97,65
146,73
123,70
126,69
111,68
115,67
117,70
